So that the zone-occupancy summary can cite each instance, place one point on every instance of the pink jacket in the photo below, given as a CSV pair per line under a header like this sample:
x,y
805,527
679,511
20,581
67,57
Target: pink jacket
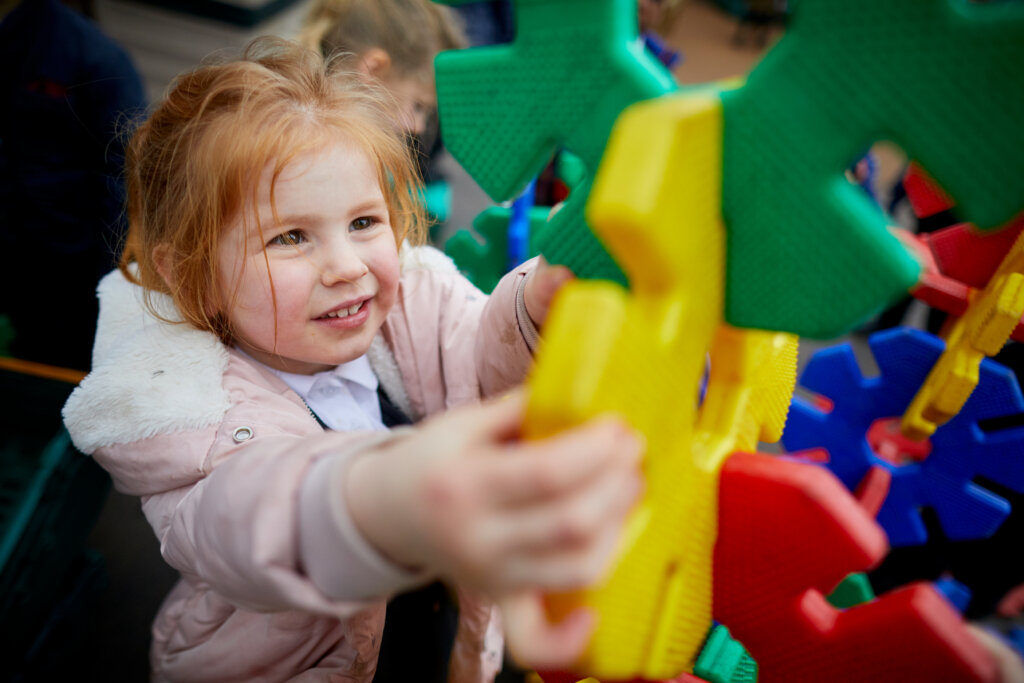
x,y
219,451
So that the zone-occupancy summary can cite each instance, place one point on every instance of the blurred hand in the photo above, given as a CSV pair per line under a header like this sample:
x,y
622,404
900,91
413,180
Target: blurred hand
x,y
1008,662
463,499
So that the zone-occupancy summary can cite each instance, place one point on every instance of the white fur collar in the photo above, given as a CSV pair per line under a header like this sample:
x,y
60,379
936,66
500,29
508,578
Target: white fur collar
x,y
150,377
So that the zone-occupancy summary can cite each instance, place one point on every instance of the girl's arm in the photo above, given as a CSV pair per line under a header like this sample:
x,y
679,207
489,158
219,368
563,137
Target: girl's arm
x,y
462,498
239,529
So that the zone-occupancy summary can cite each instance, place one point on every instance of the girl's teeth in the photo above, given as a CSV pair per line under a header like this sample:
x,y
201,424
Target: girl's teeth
x,y
345,312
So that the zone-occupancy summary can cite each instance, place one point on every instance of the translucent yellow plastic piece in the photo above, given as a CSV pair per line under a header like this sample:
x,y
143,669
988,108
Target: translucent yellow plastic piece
x,y
642,354
982,331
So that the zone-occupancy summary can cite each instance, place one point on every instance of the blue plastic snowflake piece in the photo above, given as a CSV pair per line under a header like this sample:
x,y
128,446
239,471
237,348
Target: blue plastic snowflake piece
x,y
961,449
958,595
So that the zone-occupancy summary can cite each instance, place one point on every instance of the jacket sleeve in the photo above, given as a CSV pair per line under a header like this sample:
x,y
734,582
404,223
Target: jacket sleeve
x,y
246,529
507,337
454,344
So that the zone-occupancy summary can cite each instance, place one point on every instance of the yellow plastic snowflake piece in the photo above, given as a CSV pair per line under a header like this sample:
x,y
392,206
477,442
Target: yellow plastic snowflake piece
x,y
642,354
991,316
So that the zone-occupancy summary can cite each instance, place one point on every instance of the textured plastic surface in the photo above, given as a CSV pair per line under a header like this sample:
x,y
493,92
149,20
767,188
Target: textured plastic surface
x,y
642,354
960,260
960,451
483,257
924,194
573,67
982,331
854,590
789,533
958,595
723,659
808,252
968,255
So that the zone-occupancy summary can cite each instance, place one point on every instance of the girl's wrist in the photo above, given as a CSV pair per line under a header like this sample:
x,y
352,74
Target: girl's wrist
x,y
377,505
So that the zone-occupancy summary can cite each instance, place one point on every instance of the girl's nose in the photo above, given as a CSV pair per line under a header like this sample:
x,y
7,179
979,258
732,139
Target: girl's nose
x,y
341,263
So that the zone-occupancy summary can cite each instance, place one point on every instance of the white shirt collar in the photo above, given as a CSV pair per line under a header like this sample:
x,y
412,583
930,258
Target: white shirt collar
x,y
354,406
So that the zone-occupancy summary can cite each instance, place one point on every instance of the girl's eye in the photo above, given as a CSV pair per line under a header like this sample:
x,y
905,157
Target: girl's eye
x,y
288,239
364,223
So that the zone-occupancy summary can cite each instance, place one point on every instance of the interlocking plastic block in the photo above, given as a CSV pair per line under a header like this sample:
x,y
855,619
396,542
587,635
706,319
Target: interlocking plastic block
x,y
642,355
788,533
961,259
925,196
854,590
968,255
484,262
723,659
982,331
960,450
955,592
566,677
808,252
504,109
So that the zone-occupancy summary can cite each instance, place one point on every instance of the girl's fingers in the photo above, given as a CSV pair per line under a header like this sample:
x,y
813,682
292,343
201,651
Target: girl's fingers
x,y
536,643
563,569
570,522
534,470
470,429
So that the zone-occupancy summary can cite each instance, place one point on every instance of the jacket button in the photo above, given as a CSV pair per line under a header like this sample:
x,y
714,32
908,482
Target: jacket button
x,y
242,434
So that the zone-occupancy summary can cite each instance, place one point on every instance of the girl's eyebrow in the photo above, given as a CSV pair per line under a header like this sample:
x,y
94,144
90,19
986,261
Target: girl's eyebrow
x,y
372,204
299,219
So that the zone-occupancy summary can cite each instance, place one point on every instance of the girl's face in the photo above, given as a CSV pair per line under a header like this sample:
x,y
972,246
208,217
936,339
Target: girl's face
x,y
332,258
415,101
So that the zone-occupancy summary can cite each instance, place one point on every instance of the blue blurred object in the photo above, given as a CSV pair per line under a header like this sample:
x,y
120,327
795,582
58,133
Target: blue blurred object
x,y
1016,639
662,52
519,226
957,593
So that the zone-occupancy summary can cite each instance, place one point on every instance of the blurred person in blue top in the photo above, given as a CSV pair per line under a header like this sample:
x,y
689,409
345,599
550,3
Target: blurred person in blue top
x,y
66,90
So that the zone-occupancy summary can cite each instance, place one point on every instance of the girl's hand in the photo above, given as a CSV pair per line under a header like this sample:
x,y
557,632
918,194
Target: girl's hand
x,y
542,284
461,498
1008,662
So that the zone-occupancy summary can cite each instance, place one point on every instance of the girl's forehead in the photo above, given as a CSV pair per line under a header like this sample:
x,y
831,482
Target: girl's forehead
x,y
290,167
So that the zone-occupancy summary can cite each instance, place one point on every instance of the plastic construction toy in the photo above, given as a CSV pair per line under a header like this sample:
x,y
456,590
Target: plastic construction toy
x,y
573,67
788,534
943,475
722,659
981,331
483,258
959,259
808,252
642,355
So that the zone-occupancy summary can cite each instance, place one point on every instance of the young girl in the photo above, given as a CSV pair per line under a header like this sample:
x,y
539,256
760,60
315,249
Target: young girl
x,y
395,41
268,320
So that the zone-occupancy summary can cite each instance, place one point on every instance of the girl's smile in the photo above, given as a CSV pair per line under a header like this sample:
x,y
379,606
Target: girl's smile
x,y
347,316
331,257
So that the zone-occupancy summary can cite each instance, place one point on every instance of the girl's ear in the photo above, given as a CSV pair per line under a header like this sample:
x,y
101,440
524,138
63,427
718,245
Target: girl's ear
x,y
375,62
164,264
